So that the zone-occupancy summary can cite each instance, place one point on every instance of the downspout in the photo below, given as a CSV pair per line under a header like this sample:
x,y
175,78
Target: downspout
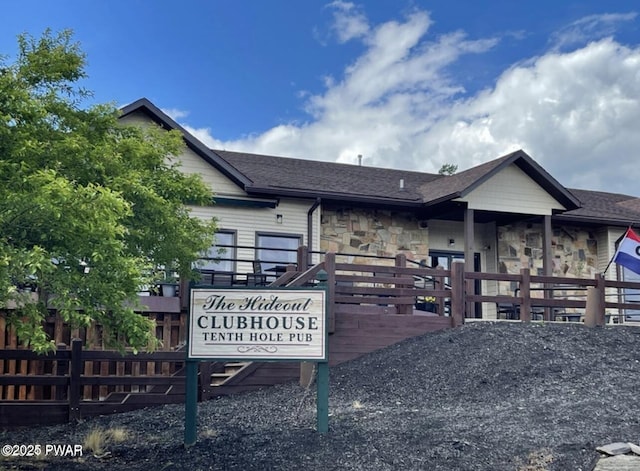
x,y
313,207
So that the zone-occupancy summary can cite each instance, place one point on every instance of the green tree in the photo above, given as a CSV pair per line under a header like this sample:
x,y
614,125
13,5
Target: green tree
x,y
448,169
88,206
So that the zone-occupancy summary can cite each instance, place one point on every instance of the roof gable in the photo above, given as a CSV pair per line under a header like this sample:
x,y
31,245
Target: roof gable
x,y
461,184
511,190
158,116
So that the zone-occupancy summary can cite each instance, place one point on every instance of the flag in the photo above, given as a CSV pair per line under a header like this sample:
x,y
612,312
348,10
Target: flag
x,y
628,253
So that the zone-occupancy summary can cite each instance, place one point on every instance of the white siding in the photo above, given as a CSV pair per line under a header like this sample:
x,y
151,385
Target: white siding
x,y
440,232
192,163
512,190
247,221
137,119
487,245
606,249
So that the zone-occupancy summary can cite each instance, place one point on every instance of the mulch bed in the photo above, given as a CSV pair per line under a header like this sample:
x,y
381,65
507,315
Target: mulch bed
x,y
486,396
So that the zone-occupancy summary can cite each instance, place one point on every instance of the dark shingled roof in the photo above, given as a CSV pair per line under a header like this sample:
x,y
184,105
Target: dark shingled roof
x,y
280,176
299,177
605,207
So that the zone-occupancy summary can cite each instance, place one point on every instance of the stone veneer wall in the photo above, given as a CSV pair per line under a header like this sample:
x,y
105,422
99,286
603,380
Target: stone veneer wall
x,y
359,231
575,251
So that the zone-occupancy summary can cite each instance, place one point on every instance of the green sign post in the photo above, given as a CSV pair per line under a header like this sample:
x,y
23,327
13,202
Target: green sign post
x,y
322,399
257,324
191,403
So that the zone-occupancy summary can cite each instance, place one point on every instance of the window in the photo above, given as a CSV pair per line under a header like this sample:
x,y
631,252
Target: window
x,y
221,255
277,249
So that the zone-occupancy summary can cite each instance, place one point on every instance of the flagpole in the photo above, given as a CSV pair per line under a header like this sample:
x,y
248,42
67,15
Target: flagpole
x,y
617,250
609,264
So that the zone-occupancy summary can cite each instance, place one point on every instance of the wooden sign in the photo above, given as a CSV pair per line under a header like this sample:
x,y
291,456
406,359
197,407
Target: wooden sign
x,y
257,325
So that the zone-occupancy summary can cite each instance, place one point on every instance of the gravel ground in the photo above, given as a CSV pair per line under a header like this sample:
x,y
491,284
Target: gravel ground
x,y
486,396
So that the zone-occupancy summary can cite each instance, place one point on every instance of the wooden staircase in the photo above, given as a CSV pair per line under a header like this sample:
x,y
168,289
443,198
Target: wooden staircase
x,y
229,370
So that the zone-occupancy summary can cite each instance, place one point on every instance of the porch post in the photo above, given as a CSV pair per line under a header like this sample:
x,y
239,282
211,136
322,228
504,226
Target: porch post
x,y
469,249
401,261
547,262
601,290
457,294
303,258
525,293
330,268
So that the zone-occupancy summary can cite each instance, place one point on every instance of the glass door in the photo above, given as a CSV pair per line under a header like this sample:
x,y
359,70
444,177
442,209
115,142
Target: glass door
x,y
444,260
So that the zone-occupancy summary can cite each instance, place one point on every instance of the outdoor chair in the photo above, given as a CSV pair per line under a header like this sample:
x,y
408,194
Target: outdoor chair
x,y
257,278
509,311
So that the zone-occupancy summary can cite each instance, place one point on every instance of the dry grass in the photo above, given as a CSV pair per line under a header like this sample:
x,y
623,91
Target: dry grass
x,y
98,439
118,435
95,441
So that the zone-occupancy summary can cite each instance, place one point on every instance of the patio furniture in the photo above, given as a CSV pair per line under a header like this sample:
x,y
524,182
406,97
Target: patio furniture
x,y
257,278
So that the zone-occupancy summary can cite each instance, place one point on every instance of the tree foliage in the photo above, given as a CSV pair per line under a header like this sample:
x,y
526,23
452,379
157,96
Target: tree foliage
x,y
88,206
448,169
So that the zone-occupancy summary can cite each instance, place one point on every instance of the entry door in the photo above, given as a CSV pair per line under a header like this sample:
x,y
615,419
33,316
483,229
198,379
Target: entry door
x,y
444,259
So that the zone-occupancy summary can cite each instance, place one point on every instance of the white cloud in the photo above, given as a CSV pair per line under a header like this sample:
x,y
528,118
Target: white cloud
x,y
175,113
589,28
575,112
387,97
348,21
204,135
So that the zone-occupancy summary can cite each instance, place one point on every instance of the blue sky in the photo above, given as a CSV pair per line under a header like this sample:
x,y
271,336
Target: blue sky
x,y
407,84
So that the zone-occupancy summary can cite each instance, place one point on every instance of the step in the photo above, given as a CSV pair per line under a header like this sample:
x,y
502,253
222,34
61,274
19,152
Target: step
x,y
232,368
219,378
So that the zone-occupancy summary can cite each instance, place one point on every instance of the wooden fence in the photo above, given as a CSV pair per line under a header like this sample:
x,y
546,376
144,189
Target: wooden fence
x,y
63,383
171,329
75,382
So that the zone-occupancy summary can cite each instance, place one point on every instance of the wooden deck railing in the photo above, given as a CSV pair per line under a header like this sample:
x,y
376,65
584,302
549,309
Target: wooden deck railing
x,y
81,381
554,296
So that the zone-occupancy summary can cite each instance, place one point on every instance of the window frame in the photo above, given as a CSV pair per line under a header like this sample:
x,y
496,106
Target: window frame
x,y
267,263
229,256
